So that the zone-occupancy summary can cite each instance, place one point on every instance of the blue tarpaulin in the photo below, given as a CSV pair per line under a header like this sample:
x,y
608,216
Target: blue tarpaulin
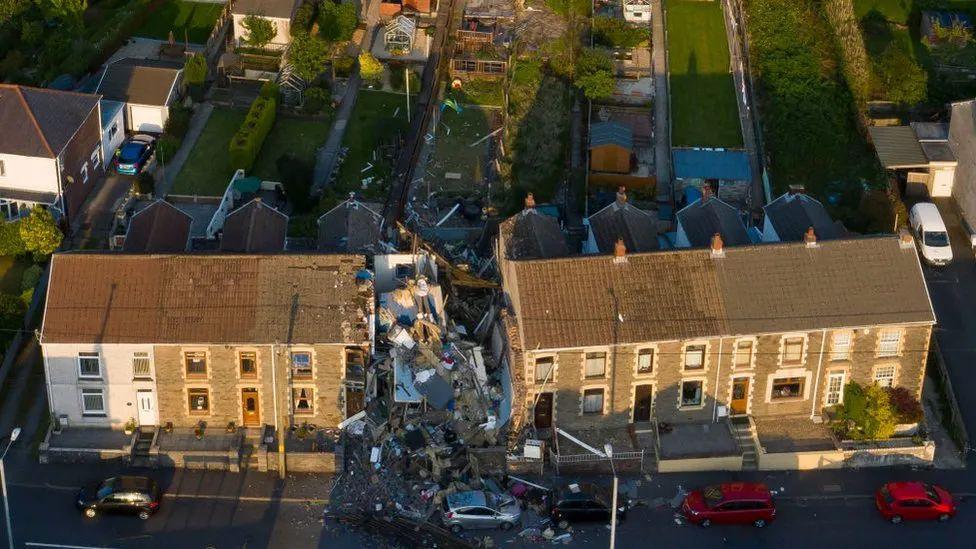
x,y
711,164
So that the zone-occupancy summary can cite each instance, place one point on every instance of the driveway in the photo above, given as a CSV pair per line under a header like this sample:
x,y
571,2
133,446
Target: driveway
x,y
93,225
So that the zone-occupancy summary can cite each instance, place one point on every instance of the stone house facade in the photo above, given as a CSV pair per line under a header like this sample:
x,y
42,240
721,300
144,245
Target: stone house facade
x,y
694,336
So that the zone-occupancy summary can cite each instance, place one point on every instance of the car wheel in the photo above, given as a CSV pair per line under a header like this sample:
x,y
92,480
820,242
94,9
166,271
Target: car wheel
x,y
90,512
759,523
506,526
144,514
706,523
895,519
563,524
456,528
943,518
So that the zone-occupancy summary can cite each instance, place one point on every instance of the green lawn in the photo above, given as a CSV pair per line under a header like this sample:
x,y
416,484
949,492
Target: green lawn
x,y
454,154
896,11
207,170
703,101
369,134
190,20
289,135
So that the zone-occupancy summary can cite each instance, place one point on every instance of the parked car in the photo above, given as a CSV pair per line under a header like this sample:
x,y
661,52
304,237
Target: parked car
x,y
127,494
584,502
899,501
931,234
134,154
480,509
730,503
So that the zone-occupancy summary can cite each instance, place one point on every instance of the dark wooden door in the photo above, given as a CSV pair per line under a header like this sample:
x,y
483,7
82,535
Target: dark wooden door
x,y
543,411
355,401
643,398
251,407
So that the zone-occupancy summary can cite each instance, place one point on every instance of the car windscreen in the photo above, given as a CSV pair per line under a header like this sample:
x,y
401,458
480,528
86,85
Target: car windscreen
x,y
936,239
131,152
105,488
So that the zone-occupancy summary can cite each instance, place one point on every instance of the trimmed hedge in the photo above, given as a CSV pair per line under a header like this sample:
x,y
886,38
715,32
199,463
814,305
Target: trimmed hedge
x,y
246,143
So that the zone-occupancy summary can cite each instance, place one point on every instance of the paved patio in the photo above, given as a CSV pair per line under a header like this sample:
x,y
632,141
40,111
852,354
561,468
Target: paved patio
x,y
92,438
214,440
694,440
793,435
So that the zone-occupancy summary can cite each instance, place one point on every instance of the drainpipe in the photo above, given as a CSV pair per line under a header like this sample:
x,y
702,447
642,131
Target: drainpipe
x,y
278,433
816,382
718,373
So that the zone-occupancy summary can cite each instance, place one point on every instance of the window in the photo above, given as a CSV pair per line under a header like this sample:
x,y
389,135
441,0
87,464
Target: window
x,y
840,346
835,389
141,366
84,173
743,354
199,401
12,210
304,403
793,349
96,158
113,130
301,365
889,342
596,364
885,375
645,361
691,392
3,169
196,364
92,402
593,401
785,388
249,364
694,357
543,369
88,365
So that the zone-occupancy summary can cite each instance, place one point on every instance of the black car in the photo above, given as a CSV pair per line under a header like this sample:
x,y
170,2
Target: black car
x,y
133,495
584,503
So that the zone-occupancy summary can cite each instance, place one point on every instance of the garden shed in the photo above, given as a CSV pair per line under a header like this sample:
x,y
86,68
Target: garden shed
x,y
399,33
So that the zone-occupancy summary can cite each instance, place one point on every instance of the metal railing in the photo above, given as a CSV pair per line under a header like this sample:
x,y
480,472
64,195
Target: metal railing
x,y
566,459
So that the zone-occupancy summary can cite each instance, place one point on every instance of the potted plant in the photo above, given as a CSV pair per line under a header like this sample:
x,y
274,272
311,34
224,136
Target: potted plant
x,y
130,426
168,428
231,427
302,431
198,430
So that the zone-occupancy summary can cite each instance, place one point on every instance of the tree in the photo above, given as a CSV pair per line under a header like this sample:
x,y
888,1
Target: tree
x,y
12,311
369,68
879,416
594,74
570,8
10,241
40,233
308,55
260,31
68,12
337,22
195,69
614,32
11,9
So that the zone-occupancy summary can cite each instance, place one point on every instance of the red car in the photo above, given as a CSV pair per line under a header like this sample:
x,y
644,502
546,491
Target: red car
x,y
730,503
899,501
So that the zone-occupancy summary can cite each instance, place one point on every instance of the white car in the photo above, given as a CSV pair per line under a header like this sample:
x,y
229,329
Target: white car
x,y
931,234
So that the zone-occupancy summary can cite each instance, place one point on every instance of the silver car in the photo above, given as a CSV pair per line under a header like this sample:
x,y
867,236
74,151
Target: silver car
x,y
480,509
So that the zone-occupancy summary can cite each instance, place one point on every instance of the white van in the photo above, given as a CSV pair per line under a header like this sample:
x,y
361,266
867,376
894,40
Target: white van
x,y
931,234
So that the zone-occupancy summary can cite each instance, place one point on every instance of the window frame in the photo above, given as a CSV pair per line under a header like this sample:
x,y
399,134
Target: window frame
x,y
840,393
295,391
195,391
586,362
802,380
834,356
603,400
240,364
139,355
85,412
702,398
753,344
311,364
552,368
84,172
3,169
186,364
885,367
685,354
98,364
879,350
637,361
803,349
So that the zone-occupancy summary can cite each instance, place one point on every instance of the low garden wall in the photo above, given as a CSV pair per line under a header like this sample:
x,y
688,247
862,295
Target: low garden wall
x,y
686,465
800,461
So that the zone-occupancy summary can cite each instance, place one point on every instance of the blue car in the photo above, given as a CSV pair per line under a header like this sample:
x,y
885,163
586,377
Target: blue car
x,y
132,157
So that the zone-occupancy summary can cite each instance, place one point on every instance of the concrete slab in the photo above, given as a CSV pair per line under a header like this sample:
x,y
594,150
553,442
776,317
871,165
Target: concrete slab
x,y
793,434
89,438
691,440
214,440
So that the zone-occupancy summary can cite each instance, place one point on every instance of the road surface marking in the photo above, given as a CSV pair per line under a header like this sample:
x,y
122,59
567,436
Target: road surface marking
x,y
260,499
60,546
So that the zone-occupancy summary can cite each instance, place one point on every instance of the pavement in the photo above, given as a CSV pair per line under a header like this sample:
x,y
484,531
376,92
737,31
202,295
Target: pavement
x,y
662,104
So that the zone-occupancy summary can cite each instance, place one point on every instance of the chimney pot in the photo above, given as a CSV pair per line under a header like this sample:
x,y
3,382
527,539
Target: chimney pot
x,y
810,238
529,201
620,251
718,247
621,195
706,191
797,189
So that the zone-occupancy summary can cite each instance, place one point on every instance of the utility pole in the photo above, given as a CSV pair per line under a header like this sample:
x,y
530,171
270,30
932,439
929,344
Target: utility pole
x,y
406,76
608,448
3,484
279,434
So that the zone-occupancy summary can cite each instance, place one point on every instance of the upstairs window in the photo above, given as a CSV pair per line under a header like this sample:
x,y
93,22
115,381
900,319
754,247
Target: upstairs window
x,y
196,364
249,364
743,354
543,369
840,346
695,357
889,342
645,361
141,367
88,365
301,365
793,349
596,365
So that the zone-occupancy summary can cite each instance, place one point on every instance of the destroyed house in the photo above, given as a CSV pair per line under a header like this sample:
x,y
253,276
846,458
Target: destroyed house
x,y
695,336
185,339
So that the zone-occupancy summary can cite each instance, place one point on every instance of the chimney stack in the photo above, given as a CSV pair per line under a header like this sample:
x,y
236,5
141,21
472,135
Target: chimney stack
x,y
718,247
621,196
797,189
529,202
620,251
810,238
706,190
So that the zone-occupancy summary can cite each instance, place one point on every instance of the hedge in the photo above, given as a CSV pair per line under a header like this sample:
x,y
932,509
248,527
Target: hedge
x,y
246,143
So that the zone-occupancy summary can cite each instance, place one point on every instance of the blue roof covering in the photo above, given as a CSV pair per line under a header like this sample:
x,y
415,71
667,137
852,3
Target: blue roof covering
x,y
711,164
611,133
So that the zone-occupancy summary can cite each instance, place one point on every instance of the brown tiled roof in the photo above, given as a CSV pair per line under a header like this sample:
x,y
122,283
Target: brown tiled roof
x,y
282,9
624,220
159,227
139,81
532,235
201,298
674,295
254,227
40,122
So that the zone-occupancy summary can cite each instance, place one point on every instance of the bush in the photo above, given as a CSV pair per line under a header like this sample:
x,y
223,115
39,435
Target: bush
x,y
614,32
296,177
304,18
166,148
369,68
308,55
145,183
316,100
260,31
31,276
337,22
246,143
869,411
594,74
907,408
12,311
10,241
343,65
195,69
269,90
399,82
40,233
178,122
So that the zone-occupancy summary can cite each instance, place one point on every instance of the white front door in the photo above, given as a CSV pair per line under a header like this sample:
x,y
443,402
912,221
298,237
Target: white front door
x,y
835,389
147,408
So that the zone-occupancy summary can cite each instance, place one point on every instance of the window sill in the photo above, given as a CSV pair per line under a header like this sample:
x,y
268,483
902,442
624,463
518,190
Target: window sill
x,y
592,414
645,373
684,407
197,377
90,378
695,369
93,414
304,413
303,377
142,379
879,357
785,400
199,412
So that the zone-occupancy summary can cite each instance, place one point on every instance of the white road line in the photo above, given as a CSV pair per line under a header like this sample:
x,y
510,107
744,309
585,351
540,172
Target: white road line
x,y
59,546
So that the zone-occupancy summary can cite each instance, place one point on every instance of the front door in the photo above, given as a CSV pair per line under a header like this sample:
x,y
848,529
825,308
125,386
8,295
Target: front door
x,y
147,408
543,411
251,407
740,396
643,396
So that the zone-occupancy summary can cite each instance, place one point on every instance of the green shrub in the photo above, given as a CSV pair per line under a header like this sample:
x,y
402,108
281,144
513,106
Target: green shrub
x,y
31,276
40,233
316,99
145,183
296,177
343,65
11,242
246,143
614,32
269,90
398,81
178,122
304,18
166,147
12,311
337,22
869,411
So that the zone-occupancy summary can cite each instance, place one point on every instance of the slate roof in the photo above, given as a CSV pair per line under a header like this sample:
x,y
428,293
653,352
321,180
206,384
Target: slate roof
x,y
611,133
532,235
254,227
159,227
730,165
206,299
686,294
352,226
703,218
139,81
621,219
40,122
281,9
897,146
792,214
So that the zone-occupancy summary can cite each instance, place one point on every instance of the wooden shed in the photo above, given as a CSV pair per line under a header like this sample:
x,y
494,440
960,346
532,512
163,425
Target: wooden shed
x,y
611,147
